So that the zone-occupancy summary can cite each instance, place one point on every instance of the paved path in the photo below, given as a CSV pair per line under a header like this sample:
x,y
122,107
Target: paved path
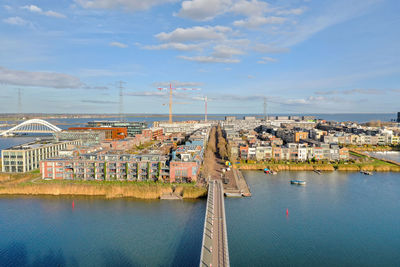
x,y
214,250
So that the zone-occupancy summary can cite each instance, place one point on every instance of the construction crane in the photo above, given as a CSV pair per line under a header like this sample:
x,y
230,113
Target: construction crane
x,y
205,99
170,96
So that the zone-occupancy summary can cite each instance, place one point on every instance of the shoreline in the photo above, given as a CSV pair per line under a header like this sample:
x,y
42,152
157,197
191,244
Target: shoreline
x,y
108,190
354,167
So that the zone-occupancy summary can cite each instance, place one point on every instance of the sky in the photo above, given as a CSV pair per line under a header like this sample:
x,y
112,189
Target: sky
x,y
302,56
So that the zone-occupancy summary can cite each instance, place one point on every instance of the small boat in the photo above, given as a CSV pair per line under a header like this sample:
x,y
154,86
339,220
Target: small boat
x,y
274,172
267,171
366,172
317,171
298,182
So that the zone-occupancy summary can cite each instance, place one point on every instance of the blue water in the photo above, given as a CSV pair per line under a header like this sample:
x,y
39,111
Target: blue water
x,y
98,232
337,219
391,155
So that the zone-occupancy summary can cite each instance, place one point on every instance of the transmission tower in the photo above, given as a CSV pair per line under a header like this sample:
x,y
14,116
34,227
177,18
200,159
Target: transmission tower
x,y
19,101
121,99
265,108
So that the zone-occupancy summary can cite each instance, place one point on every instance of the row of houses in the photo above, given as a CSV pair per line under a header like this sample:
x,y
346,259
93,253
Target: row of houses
x,y
292,152
362,139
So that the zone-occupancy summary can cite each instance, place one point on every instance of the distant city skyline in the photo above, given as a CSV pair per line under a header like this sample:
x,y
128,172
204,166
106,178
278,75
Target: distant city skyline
x,y
305,56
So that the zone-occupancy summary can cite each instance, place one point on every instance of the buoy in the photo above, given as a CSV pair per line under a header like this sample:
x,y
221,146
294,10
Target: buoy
x,y
73,204
287,212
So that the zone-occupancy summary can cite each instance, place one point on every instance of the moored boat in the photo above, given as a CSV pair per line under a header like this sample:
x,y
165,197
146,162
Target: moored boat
x,y
298,182
366,172
317,171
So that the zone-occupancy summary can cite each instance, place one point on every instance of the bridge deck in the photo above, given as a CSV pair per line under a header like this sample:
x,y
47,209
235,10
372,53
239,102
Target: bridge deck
x,y
214,250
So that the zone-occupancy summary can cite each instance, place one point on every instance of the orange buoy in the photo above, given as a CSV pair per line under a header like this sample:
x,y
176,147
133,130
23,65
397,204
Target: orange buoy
x,y
73,204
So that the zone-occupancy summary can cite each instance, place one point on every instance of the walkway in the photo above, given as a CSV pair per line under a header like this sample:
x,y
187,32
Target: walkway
x,y
214,249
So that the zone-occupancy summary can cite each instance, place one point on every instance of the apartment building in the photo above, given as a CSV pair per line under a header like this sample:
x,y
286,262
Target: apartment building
x,y
26,157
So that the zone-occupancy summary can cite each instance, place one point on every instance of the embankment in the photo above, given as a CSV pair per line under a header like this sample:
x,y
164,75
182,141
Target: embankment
x,y
109,190
321,167
286,167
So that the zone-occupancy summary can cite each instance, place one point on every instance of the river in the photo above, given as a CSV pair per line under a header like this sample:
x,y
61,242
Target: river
x,y
337,219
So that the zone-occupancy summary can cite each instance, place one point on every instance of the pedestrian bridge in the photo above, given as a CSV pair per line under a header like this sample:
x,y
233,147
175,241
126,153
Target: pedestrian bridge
x,y
214,248
32,126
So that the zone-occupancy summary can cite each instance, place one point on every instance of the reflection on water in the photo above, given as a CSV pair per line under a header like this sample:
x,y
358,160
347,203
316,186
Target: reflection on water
x,y
389,155
337,219
99,232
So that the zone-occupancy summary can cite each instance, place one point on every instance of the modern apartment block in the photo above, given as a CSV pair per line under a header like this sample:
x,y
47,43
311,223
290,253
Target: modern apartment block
x,y
26,157
107,168
133,127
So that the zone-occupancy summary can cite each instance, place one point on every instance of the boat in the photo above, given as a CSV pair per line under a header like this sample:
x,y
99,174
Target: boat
x,y
317,171
366,172
298,182
274,172
267,171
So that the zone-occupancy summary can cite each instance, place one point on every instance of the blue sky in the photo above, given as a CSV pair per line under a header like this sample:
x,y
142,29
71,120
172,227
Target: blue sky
x,y
304,56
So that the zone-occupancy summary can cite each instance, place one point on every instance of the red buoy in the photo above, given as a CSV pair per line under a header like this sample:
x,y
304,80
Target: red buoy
x,y
287,212
73,204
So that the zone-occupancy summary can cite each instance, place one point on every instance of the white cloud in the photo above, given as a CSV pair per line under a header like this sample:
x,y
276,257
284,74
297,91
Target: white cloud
x,y
265,60
197,33
250,8
210,59
118,44
132,5
176,46
33,8
293,11
40,79
49,13
203,9
224,51
351,91
269,49
16,21
257,21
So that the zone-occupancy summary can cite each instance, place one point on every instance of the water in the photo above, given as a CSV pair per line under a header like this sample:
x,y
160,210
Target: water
x,y
390,155
337,219
98,232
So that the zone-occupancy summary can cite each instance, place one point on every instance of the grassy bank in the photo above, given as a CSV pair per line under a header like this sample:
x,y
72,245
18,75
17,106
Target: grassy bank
x,y
371,165
371,148
108,189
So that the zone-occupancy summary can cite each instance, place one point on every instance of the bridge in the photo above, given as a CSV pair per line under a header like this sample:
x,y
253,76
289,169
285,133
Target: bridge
x,y
214,248
32,126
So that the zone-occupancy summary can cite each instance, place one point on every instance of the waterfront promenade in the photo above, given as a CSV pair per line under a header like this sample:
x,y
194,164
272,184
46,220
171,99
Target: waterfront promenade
x,y
214,249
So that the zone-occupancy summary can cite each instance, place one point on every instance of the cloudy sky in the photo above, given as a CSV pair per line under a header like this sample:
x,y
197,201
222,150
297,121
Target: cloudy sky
x,y
304,56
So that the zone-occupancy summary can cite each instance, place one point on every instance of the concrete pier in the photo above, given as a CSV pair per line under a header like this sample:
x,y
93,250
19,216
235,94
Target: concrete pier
x,y
214,248
241,183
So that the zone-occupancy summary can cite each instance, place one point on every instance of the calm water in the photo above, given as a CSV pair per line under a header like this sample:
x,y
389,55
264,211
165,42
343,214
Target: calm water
x,y
391,155
48,232
337,219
